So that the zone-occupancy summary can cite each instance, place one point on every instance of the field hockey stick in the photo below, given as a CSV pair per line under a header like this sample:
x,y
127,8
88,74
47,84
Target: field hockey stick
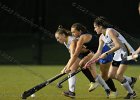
x,y
40,86
131,57
59,84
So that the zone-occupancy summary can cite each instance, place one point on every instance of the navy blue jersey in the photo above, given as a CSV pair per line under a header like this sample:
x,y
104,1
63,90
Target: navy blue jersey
x,y
92,45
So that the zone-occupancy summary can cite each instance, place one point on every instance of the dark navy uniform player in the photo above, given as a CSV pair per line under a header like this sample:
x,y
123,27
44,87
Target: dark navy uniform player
x,y
104,63
90,42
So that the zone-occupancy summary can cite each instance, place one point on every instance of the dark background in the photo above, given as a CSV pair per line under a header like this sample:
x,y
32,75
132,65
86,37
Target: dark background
x,y
22,41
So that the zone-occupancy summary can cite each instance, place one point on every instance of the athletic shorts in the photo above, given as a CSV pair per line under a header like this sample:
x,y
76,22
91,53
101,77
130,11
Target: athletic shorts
x,y
82,55
108,59
117,63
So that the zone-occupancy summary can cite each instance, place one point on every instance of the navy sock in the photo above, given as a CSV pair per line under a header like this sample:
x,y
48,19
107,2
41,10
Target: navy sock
x,y
88,74
111,85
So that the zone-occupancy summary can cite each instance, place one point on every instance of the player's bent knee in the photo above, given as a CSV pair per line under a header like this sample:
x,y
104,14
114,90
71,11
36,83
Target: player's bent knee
x,y
81,63
119,76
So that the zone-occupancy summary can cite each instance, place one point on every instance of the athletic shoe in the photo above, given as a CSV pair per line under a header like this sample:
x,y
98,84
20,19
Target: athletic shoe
x,y
133,82
107,92
69,94
113,94
130,95
93,86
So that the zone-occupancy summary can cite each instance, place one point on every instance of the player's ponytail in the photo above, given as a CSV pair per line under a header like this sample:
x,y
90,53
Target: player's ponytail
x,y
62,30
60,27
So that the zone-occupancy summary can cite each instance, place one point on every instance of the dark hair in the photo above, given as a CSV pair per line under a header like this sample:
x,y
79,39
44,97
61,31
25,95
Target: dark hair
x,y
79,27
64,31
102,21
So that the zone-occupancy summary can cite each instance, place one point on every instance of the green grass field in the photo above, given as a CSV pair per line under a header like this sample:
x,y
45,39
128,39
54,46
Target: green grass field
x,y
16,79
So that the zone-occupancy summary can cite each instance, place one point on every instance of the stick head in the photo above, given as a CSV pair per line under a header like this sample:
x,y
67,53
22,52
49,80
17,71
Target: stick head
x,y
23,96
59,85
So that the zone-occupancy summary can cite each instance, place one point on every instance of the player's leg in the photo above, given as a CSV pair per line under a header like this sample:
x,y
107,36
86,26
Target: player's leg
x,y
116,72
113,70
86,72
105,63
93,85
111,75
104,68
119,76
89,76
93,68
130,59
97,77
131,80
72,80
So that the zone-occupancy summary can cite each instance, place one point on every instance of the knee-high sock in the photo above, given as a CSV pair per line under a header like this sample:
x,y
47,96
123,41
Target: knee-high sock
x,y
72,82
126,85
102,82
128,79
88,74
111,85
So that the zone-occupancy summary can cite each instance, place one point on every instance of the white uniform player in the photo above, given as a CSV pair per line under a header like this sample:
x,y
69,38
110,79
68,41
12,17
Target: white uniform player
x,y
125,49
69,40
121,49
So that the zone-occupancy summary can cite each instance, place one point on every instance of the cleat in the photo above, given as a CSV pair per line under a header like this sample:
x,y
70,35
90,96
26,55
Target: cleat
x,y
133,82
130,95
113,94
107,92
69,94
93,86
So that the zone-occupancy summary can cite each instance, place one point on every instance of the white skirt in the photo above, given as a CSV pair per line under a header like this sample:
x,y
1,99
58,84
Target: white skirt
x,y
120,54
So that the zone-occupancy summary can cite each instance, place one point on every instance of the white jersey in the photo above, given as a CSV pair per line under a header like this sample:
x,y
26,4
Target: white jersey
x,y
70,39
125,49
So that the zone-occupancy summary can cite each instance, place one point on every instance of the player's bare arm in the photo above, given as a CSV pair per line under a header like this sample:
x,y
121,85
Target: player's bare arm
x,y
113,35
83,39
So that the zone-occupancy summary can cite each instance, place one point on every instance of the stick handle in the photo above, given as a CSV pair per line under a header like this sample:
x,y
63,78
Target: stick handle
x,y
132,57
69,76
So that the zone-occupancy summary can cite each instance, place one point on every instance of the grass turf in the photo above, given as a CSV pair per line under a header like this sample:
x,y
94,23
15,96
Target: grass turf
x,y
16,79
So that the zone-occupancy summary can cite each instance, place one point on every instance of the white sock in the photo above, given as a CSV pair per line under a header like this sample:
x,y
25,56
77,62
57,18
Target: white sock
x,y
72,82
102,82
128,79
127,87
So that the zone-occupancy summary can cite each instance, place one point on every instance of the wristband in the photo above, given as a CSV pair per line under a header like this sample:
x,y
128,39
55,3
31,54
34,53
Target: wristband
x,y
107,54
